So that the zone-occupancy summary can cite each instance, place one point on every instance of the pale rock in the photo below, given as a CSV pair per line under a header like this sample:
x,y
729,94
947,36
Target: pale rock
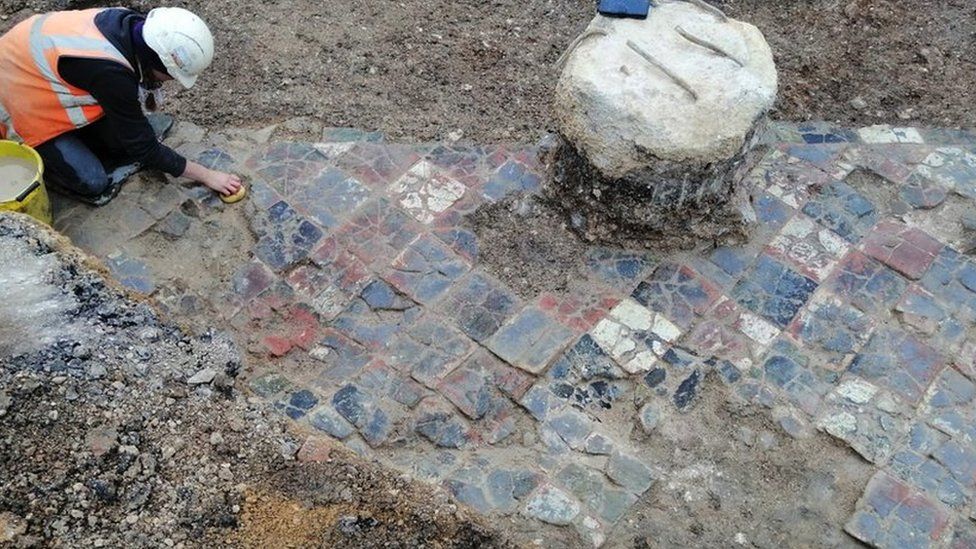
x,y
857,391
11,526
642,362
665,329
758,329
633,315
840,425
883,135
320,353
202,377
622,111
650,416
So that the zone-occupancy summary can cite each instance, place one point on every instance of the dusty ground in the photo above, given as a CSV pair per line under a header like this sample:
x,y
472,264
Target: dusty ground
x,y
323,505
106,439
735,479
525,242
422,69
862,62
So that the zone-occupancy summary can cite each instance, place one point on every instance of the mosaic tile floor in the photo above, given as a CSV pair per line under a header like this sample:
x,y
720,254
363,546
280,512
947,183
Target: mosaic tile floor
x,y
364,308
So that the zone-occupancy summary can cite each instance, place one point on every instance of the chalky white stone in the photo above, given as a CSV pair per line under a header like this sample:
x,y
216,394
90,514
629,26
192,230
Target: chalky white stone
x,y
665,329
642,362
758,329
685,84
425,192
633,315
840,425
879,135
202,377
614,335
857,391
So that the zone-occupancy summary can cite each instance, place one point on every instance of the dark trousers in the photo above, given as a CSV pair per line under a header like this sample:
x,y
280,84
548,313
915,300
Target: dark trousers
x,y
82,161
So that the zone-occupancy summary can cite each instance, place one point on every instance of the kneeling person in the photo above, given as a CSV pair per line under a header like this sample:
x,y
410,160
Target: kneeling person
x,y
77,86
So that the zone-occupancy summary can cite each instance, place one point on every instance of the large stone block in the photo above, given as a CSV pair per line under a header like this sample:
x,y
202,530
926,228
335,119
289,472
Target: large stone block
x,y
683,85
658,117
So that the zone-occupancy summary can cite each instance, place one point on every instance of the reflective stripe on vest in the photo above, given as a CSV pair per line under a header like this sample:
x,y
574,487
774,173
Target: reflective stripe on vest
x,y
38,44
33,50
7,130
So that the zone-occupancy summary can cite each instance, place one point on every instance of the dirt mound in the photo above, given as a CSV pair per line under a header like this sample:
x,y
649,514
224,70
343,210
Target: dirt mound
x,y
318,505
525,242
121,430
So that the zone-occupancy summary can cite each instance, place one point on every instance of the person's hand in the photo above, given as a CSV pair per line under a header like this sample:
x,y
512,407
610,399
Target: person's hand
x,y
224,183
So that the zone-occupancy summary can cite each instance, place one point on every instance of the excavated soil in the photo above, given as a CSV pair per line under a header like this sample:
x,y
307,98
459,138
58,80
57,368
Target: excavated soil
x,y
423,69
525,242
864,62
663,206
320,505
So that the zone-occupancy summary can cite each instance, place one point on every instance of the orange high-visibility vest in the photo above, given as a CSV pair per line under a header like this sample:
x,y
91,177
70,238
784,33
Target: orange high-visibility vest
x,y
36,104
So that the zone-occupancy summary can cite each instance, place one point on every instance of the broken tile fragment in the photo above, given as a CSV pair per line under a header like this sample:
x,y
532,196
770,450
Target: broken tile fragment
x,y
530,340
552,505
425,191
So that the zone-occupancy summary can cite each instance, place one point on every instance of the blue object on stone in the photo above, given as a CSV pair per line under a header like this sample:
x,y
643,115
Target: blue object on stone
x,y
636,9
629,472
728,371
442,428
512,177
732,261
469,494
538,402
774,291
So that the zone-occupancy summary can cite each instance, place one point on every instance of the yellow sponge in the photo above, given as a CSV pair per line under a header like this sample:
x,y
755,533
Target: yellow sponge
x,y
236,197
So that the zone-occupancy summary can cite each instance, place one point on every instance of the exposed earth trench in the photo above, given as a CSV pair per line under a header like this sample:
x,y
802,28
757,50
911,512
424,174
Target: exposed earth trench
x,y
421,70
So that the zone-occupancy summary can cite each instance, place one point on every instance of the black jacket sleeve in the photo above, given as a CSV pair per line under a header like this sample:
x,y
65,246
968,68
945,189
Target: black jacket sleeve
x,y
116,89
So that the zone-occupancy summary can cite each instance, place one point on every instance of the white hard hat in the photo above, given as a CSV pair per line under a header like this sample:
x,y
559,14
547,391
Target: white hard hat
x,y
181,40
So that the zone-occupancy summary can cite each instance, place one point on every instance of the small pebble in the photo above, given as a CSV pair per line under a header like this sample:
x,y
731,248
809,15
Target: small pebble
x,y
650,415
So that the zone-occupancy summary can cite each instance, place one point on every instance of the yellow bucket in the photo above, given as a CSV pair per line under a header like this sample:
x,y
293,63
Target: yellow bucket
x,y
28,196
